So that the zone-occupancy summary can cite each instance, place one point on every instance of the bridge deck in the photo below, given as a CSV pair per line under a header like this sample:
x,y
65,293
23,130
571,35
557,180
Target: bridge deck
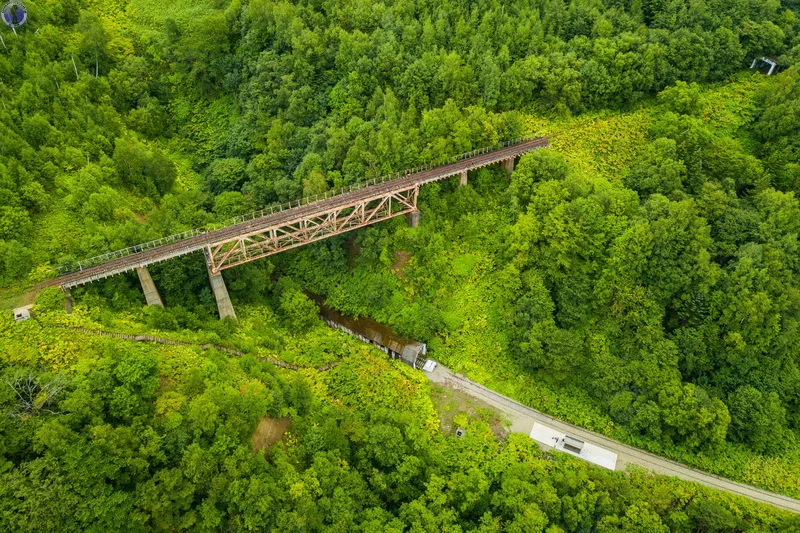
x,y
235,231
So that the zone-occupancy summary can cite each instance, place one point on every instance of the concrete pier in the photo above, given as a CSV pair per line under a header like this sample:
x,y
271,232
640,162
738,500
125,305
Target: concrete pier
x,y
413,218
224,305
508,166
69,301
151,295
462,178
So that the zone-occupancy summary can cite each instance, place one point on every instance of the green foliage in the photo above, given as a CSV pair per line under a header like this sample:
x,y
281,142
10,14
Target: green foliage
x,y
15,224
658,171
226,175
15,261
300,312
139,438
539,166
758,419
149,172
638,279
682,98
49,299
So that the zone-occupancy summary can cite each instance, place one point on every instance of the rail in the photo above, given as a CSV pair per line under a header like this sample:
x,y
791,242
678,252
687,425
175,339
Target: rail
x,y
277,208
130,250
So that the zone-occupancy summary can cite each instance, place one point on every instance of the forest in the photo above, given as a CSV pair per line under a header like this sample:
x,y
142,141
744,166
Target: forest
x,y
113,435
639,278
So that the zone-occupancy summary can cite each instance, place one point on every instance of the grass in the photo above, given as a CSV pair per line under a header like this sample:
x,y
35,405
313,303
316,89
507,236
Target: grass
x,y
604,145
601,144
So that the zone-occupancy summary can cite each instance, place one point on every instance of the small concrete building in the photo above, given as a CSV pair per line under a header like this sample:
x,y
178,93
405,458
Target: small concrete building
x,y
22,313
551,438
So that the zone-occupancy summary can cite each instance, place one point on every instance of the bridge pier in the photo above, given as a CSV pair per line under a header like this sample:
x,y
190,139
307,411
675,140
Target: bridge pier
x,y
462,179
413,218
272,231
224,304
151,295
508,166
69,301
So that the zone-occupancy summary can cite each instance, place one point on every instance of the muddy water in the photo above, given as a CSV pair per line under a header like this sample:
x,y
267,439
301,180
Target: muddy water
x,y
368,330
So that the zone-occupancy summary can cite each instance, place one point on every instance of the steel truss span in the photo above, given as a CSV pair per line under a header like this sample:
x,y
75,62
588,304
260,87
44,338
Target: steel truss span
x,y
289,228
303,230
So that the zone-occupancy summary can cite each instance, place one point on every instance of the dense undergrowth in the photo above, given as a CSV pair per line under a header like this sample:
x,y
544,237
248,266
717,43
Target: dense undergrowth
x,y
517,301
116,435
639,278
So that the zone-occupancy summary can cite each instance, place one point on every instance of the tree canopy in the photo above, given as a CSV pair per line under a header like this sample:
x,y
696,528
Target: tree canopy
x,y
638,278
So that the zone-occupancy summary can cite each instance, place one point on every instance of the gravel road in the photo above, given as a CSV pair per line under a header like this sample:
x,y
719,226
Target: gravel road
x,y
523,417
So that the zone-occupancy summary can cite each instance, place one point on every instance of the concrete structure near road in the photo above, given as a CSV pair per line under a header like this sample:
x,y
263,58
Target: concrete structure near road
x,y
767,64
553,439
22,313
288,226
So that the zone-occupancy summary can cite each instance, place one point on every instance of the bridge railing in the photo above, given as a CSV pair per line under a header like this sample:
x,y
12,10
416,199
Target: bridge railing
x,y
130,250
277,208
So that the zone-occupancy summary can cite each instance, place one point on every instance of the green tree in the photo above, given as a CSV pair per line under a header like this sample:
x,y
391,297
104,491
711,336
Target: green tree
x,y
758,419
659,170
14,223
146,170
538,166
300,312
682,98
225,175
93,43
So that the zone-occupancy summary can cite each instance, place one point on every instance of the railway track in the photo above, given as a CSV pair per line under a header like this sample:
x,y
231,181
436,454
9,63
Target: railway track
x,y
207,239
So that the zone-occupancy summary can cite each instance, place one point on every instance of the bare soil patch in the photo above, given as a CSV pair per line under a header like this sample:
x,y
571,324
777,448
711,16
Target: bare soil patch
x,y
401,259
269,431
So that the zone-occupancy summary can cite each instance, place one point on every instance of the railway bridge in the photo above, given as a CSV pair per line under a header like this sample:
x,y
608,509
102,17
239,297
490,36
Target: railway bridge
x,y
287,226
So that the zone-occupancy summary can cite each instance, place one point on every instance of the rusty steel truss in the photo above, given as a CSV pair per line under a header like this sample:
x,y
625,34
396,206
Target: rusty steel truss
x,y
271,231
306,229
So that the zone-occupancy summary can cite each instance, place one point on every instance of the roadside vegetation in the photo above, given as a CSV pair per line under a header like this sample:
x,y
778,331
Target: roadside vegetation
x,y
639,278
117,435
